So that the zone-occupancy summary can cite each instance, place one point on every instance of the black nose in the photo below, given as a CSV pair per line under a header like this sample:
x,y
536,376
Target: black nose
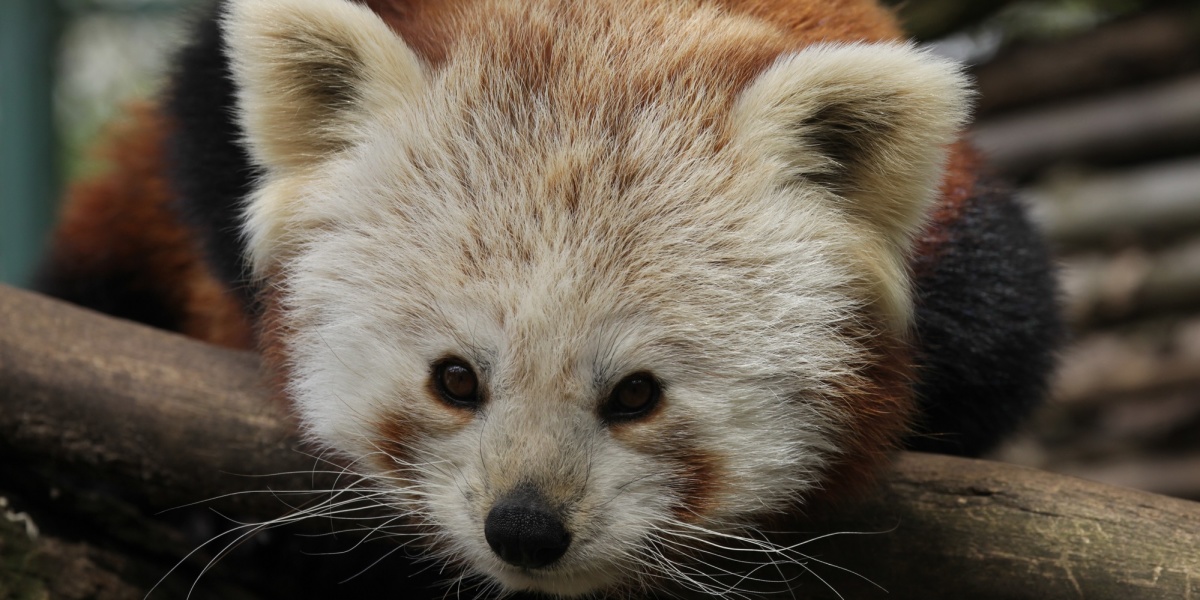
x,y
523,530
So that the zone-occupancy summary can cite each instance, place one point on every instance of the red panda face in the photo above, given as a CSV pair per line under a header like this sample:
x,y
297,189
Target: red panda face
x,y
571,326
586,367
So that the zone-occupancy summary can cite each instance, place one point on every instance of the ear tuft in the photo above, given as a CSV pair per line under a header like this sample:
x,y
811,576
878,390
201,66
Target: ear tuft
x,y
308,72
869,122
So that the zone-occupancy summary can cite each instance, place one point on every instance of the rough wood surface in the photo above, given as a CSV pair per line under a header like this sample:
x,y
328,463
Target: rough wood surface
x,y
982,530
171,418
41,567
32,566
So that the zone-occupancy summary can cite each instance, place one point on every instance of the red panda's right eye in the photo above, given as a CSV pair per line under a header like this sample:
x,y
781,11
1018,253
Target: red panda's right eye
x,y
456,382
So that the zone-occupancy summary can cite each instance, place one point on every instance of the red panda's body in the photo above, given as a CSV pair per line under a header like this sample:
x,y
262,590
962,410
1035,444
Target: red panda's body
x,y
593,179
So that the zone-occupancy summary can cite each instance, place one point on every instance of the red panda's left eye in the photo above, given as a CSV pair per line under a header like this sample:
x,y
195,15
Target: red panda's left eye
x,y
633,397
456,382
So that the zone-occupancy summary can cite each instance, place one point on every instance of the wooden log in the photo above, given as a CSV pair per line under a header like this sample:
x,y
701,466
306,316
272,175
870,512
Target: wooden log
x,y
1117,128
171,419
36,566
32,566
1156,44
949,528
118,427
1148,203
124,404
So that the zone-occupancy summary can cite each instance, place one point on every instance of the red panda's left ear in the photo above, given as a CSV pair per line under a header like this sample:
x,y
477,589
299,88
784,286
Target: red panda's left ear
x,y
869,122
308,72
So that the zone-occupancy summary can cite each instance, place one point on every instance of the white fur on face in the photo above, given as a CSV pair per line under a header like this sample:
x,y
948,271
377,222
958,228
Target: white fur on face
x,y
560,241
557,310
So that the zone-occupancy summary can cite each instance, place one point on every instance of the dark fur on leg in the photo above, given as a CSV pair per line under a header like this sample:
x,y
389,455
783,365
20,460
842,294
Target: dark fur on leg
x,y
987,325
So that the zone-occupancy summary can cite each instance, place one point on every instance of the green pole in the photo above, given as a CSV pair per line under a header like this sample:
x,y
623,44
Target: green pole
x,y
28,141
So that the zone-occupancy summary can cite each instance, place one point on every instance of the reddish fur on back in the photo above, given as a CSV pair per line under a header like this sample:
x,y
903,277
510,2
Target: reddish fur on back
x,y
958,186
122,221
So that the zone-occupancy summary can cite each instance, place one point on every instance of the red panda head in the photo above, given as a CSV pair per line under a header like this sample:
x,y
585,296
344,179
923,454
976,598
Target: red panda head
x,y
606,283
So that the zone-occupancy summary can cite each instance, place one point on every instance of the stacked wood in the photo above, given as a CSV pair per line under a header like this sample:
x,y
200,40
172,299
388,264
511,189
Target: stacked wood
x,y
1104,130
1124,127
1141,205
1107,288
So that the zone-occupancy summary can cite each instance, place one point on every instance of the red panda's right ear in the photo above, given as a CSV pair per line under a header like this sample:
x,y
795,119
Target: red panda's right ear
x,y
870,124
308,72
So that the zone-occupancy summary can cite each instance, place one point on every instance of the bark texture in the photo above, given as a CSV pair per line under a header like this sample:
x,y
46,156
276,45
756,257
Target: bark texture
x,y
155,420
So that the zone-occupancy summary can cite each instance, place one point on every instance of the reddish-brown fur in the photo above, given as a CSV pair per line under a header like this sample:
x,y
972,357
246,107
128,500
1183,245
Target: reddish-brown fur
x,y
958,185
122,221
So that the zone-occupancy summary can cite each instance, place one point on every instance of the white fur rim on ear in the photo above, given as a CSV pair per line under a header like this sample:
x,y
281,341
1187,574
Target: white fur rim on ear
x,y
308,71
310,74
870,121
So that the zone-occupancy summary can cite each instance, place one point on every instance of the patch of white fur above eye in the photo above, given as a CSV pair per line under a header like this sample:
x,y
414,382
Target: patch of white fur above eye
x,y
870,123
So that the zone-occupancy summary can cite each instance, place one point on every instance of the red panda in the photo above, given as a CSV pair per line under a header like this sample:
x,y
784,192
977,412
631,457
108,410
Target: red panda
x,y
579,283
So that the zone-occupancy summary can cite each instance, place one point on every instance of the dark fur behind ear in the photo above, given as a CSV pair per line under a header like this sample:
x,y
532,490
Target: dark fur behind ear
x,y
987,327
209,166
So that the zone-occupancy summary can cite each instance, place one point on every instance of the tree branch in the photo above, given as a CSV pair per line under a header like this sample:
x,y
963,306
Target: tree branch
x,y
169,419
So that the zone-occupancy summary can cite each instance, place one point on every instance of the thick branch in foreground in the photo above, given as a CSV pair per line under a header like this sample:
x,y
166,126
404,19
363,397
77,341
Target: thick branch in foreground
x,y
976,529
171,418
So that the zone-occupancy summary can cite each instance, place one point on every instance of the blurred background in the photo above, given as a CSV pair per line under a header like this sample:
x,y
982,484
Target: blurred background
x,y
1091,107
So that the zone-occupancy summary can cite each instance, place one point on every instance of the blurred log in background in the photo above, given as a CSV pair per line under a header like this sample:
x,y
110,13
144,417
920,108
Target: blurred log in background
x,y
1093,110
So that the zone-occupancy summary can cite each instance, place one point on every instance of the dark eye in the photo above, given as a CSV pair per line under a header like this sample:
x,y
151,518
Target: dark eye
x,y
633,397
456,382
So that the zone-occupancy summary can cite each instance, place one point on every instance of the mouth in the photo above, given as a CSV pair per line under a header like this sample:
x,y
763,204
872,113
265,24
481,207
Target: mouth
x,y
557,582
